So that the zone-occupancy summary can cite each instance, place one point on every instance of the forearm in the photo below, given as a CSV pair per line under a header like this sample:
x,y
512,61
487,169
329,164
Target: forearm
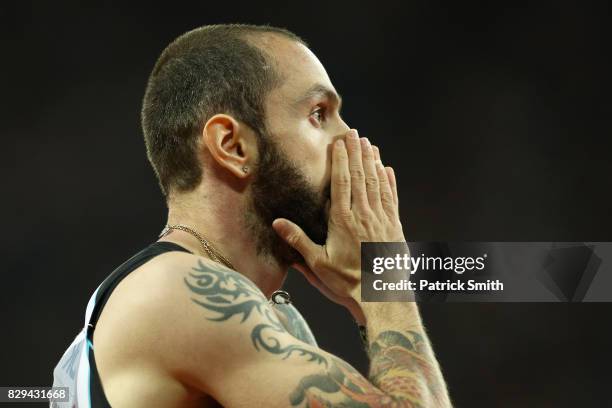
x,y
402,362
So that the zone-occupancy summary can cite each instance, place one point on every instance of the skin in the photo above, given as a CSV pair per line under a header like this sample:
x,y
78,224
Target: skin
x,y
185,331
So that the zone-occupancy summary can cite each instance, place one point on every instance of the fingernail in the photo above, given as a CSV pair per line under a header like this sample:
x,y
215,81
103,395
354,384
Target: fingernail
x,y
352,134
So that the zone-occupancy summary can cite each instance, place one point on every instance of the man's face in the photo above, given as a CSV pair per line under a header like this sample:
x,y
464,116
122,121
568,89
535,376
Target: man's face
x,y
293,173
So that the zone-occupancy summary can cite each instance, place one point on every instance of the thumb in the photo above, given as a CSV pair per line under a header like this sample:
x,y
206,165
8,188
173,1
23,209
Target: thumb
x,y
296,238
312,278
308,274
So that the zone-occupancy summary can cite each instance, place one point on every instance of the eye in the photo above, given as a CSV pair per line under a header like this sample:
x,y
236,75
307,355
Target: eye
x,y
318,114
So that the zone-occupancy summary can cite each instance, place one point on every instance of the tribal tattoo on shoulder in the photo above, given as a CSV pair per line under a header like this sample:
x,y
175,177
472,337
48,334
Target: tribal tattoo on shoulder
x,y
227,293
401,363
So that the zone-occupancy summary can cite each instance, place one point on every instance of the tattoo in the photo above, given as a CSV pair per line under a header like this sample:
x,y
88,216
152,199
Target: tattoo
x,y
402,371
342,385
273,345
226,293
295,323
229,294
401,364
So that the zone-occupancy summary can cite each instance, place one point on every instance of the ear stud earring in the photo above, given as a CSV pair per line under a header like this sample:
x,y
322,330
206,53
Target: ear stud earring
x,y
245,169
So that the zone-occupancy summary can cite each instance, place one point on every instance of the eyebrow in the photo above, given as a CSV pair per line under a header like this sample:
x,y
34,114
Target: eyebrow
x,y
320,90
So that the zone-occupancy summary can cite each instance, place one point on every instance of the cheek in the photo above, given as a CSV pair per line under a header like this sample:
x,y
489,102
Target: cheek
x,y
312,154
317,163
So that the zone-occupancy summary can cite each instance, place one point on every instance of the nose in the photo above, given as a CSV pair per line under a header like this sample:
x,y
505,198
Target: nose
x,y
343,127
340,131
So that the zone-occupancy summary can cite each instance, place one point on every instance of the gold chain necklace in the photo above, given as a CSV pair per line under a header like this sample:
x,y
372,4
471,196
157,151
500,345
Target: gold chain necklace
x,y
212,253
279,297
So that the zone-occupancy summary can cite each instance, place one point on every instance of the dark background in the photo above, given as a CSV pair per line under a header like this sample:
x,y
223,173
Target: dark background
x,y
495,115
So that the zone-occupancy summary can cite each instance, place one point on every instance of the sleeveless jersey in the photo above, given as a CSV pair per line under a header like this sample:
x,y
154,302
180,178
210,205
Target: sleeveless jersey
x,y
77,367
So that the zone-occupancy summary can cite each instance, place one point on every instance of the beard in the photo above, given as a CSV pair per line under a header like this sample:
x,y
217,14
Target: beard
x,y
281,190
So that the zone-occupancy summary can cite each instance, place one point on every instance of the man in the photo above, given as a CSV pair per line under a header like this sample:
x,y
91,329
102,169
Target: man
x,y
243,129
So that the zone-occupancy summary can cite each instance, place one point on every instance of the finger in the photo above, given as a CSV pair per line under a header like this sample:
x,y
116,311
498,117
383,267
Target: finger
x,y
297,239
371,176
340,180
376,152
386,194
358,191
309,275
382,179
313,279
393,183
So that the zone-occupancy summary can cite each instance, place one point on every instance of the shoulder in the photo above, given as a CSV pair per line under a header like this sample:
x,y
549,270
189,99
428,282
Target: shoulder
x,y
168,314
173,281
176,285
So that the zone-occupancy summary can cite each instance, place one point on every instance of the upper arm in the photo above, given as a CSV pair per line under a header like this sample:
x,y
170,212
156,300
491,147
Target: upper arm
x,y
294,323
238,351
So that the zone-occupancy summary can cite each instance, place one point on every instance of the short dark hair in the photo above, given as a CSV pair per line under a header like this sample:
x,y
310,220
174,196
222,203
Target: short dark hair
x,y
209,70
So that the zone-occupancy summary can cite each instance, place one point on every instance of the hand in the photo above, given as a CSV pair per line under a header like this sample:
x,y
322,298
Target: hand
x,y
364,208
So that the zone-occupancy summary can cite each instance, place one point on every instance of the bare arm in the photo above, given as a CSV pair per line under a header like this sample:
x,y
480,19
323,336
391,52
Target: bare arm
x,y
392,344
262,363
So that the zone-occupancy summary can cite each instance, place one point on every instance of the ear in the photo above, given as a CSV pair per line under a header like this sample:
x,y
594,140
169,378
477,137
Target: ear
x,y
231,144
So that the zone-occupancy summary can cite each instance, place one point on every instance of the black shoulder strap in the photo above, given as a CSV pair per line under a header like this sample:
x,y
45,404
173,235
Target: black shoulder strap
x,y
111,282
